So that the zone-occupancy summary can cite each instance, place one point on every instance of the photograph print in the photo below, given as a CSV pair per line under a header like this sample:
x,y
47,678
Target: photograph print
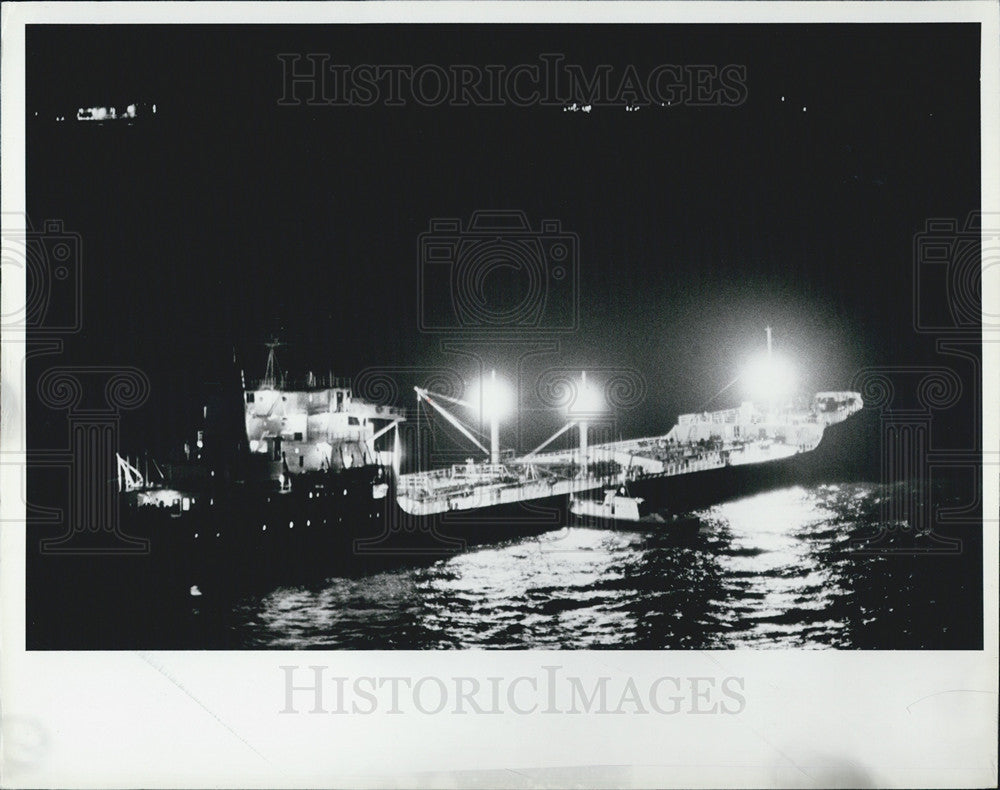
x,y
561,336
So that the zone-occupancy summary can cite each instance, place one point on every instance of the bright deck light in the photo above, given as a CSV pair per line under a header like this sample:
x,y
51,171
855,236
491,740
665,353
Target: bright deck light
x,y
769,377
586,399
491,398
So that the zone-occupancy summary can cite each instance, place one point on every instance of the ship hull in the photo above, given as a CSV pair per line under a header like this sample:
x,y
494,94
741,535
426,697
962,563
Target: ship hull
x,y
848,451
241,538
253,538
295,538
685,492
441,535
670,494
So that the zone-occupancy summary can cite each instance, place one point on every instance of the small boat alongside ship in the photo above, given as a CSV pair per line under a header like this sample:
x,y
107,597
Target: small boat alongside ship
x,y
620,510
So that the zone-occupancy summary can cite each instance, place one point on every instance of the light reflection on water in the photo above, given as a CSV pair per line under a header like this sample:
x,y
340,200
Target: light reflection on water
x,y
771,570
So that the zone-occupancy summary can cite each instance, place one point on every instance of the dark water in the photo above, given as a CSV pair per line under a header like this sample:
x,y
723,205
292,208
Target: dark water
x,y
800,567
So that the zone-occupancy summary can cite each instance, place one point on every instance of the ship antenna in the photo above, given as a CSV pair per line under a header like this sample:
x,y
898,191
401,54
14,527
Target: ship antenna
x,y
271,372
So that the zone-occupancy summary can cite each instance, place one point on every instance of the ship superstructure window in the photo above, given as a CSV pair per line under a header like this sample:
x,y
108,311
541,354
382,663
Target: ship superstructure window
x,y
249,397
353,421
298,436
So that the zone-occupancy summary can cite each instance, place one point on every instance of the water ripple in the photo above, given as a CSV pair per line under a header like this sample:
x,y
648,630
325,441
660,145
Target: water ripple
x,y
773,570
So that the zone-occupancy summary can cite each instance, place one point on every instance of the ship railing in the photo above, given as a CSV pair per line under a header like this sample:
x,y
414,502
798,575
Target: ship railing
x,y
299,384
456,471
657,448
445,484
694,464
457,491
393,412
457,475
486,495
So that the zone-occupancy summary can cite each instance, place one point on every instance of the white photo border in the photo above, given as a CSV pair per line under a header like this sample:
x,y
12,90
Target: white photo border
x,y
204,718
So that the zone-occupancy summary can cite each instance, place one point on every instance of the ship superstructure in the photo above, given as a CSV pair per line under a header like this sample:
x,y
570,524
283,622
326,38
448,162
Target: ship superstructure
x,y
281,475
315,424
312,427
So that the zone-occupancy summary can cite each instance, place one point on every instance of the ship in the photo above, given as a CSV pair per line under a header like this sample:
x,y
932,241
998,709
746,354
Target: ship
x,y
293,482
704,458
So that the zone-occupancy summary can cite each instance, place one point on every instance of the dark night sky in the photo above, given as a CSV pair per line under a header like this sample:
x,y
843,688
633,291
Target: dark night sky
x,y
228,218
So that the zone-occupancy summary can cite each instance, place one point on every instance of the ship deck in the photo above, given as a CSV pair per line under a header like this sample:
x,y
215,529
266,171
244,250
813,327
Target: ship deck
x,y
474,486
698,443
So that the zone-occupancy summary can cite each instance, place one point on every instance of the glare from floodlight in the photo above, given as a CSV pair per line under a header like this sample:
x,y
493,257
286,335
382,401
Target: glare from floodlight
x,y
491,398
769,377
587,399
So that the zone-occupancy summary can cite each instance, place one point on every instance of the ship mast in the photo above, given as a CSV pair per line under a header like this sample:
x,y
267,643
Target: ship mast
x,y
583,430
271,372
770,364
494,426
